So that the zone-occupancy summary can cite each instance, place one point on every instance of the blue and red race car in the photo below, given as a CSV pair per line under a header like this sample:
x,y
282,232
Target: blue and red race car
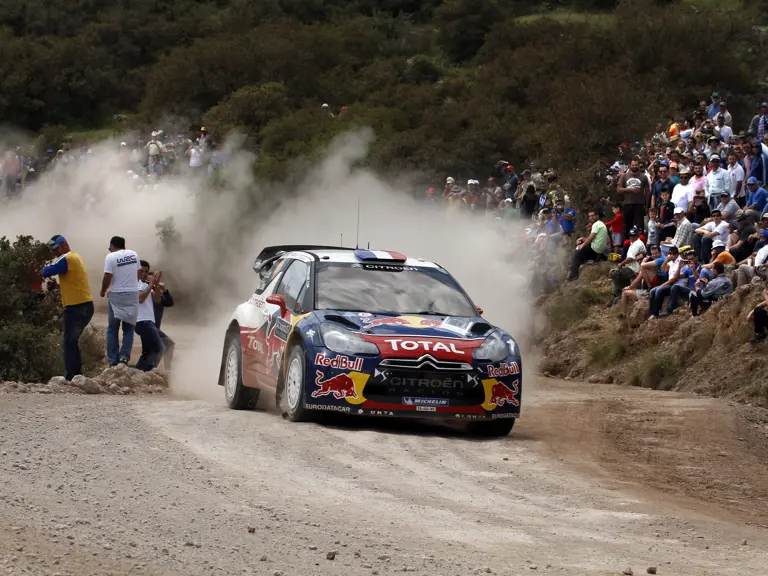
x,y
370,333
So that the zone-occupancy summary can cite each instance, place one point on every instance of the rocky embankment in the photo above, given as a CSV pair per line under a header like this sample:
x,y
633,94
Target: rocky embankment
x,y
119,379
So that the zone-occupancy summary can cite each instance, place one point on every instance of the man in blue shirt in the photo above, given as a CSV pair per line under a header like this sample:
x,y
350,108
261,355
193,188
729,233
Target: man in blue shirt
x,y
714,107
757,197
692,271
566,217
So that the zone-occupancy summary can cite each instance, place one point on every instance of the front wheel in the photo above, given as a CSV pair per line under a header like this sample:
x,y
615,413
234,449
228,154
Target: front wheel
x,y
293,385
238,396
492,428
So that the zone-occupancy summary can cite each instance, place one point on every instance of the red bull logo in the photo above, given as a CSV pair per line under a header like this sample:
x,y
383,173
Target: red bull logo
x,y
341,386
339,362
501,394
430,323
504,370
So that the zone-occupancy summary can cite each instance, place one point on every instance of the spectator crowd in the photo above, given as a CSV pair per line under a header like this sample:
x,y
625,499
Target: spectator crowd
x,y
144,161
688,220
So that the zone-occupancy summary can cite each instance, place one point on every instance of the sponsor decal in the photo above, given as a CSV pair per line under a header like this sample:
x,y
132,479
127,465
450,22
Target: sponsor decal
x,y
255,344
426,345
470,416
379,413
497,415
430,323
396,321
412,321
503,370
341,386
126,260
388,267
446,382
256,301
498,394
410,401
340,362
329,407
282,329
310,334
365,314
426,409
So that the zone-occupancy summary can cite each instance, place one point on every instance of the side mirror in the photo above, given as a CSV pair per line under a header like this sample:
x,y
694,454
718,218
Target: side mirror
x,y
278,300
479,310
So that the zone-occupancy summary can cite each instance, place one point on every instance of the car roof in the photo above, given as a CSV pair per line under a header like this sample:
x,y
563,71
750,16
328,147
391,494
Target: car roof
x,y
348,256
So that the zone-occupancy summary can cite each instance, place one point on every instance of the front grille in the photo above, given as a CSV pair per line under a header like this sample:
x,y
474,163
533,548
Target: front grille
x,y
426,362
392,385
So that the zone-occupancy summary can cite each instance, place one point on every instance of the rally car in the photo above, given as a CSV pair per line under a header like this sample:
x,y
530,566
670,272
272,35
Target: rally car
x,y
370,333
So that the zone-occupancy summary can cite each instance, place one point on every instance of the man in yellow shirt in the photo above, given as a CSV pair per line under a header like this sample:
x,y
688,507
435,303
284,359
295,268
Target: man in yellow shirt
x,y
76,298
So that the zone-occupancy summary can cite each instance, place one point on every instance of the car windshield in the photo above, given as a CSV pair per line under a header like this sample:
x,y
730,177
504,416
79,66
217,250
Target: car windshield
x,y
389,289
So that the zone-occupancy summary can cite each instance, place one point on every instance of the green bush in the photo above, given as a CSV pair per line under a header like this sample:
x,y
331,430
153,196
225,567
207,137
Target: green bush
x,y
30,333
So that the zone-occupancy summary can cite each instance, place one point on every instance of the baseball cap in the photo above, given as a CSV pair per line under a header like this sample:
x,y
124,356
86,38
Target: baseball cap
x,y
715,94
741,217
634,231
718,244
56,241
449,180
751,180
685,170
765,216
724,193
678,210
713,139
764,105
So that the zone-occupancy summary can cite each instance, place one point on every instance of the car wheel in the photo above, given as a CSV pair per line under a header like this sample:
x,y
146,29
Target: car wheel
x,y
492,428
293,384
238,396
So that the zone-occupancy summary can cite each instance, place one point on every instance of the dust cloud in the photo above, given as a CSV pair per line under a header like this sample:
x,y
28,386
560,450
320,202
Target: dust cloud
x,y
221,231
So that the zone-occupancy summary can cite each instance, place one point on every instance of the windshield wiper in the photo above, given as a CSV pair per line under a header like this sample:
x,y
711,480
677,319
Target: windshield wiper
x,y
429,313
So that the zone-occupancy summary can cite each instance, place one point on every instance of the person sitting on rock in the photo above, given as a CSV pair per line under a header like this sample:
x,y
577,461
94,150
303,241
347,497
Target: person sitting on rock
x,y
759,315
648,277
712,291
626,271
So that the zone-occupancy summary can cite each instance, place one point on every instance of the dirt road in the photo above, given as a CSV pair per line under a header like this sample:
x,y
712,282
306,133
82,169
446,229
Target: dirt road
x,y
593,480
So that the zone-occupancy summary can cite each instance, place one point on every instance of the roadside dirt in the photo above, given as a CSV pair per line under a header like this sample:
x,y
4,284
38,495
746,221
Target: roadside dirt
x,y
593,480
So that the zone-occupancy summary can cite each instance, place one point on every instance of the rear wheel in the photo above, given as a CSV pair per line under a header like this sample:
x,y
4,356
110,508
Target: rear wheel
x,y
293,385
238,396
492,428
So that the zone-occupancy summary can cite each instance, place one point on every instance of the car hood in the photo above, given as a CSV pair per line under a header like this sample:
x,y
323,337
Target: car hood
x,y
468,327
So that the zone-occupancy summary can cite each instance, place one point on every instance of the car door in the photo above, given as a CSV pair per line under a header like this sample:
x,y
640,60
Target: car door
x,y
293,287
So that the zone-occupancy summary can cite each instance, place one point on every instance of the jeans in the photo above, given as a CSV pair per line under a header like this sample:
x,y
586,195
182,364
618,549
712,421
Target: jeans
x,y
698,301
657,297
634,215
76,318
702,246
676,293
169,346
151,345
113,326
579,257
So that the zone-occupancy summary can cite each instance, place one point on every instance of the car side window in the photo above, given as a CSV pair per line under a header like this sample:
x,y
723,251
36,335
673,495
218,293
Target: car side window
x,y
293,282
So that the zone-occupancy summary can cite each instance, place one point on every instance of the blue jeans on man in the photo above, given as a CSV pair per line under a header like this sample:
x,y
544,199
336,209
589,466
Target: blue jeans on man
x,y
152,347
113,327
657,297
76,318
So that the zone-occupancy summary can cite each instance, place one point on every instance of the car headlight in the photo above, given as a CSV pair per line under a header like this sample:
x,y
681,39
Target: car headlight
x,y
494,349
341,340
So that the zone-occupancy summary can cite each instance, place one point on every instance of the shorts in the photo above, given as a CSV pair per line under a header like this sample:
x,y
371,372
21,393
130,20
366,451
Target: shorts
x,y
616,237
641,293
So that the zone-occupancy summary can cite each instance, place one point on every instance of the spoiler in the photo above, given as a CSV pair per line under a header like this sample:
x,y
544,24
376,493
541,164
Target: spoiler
x,y
271,253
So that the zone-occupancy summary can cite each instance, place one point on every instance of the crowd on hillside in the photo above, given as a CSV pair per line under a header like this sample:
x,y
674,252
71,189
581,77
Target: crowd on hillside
x,y
688,220
144,161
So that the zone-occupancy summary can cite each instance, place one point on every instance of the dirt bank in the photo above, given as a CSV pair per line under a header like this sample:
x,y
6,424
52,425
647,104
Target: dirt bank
x,y
151,485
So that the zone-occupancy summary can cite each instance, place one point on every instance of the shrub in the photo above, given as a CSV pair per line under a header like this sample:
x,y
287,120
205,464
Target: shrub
x,y
608,350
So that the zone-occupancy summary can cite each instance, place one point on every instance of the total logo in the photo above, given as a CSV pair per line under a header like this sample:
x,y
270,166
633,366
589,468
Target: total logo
x,y
503,370
426,345
340,362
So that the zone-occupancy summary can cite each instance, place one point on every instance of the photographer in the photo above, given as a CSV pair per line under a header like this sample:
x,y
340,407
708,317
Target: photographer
x,y
151,345
166,301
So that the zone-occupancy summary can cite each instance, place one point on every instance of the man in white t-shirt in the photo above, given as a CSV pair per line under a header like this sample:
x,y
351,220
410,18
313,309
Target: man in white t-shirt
x,y
672,266
121,269
716,229
682,194
151,344
736,174
627,270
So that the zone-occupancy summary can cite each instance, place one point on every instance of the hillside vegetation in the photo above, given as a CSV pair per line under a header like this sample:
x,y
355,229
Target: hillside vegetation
x,y
450,86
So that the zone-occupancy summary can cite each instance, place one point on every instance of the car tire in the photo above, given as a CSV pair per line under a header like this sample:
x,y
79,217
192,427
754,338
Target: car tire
x,y
291,395
492,428
238,396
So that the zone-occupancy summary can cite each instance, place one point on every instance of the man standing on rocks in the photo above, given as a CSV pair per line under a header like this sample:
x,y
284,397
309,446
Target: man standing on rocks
x,y
76,298
151,345
121,269
635,190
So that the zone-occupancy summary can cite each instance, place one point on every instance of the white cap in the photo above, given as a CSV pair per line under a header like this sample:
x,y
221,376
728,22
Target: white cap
x,y
123,144
449,180
130,173
679,211
324,106
154,134
135,176
89,151
765,216
718,244
470,182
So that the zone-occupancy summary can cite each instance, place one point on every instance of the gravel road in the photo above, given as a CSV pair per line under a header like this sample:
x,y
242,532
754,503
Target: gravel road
x,y
156,485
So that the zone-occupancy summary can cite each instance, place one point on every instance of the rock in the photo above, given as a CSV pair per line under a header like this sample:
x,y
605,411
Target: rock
x,y
251,529
313,547
368,566
263,558
58,381
331,555
87,385
488,570
384,558
409,569
594,379
651,570
743,542
627,572
43,390
277,573
533,567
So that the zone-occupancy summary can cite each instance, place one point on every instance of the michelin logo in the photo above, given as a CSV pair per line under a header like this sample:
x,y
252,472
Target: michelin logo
x,y
410,401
